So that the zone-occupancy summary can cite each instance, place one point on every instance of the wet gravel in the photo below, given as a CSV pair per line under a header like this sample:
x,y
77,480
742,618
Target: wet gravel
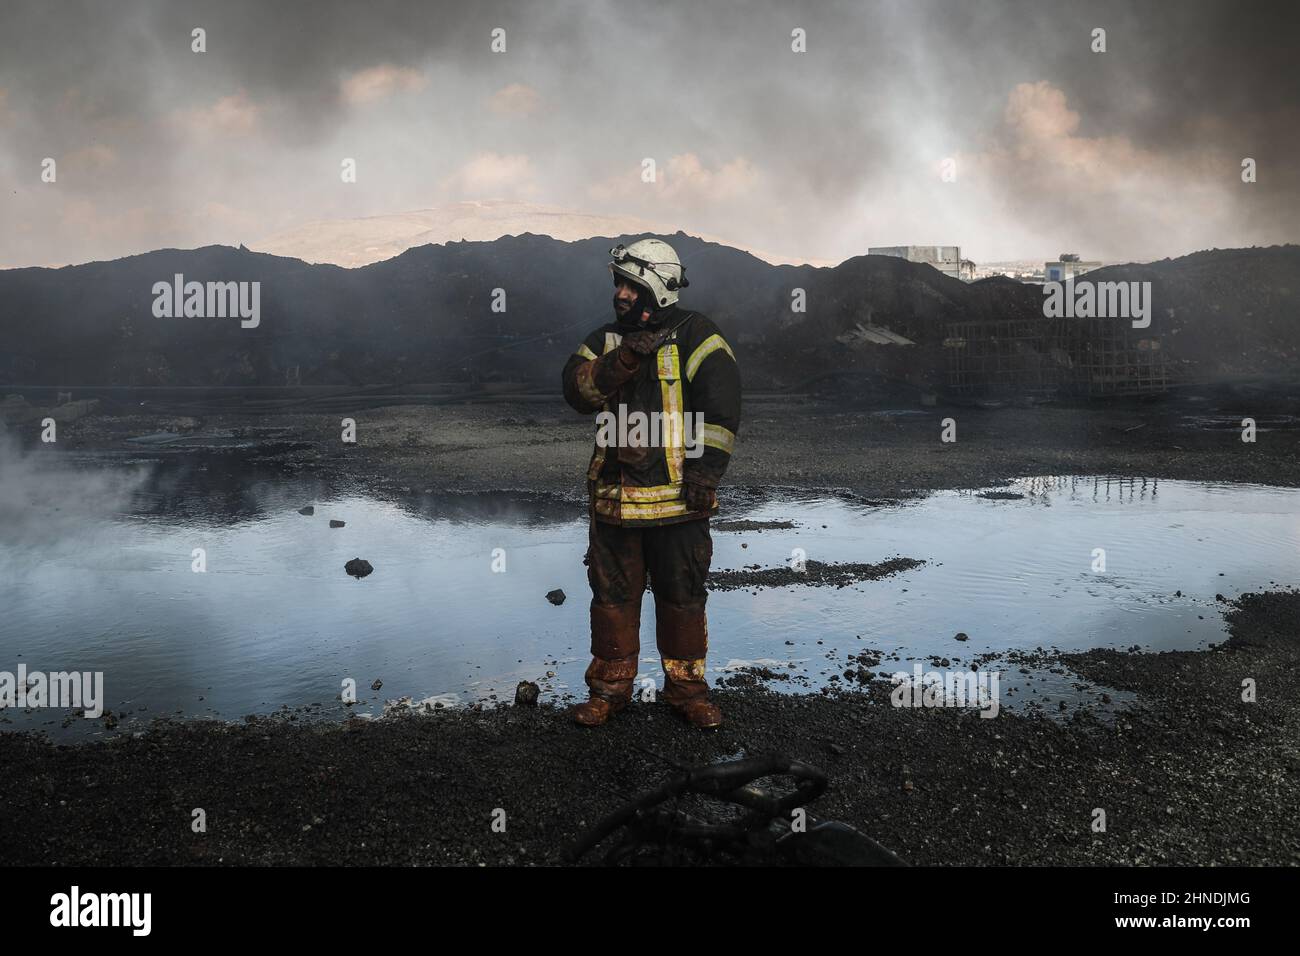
x,y
811,574
1188,774
1192,775
785,447
747,525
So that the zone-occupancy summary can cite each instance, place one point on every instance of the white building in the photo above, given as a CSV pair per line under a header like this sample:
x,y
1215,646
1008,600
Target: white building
x,y
947,259
1067,267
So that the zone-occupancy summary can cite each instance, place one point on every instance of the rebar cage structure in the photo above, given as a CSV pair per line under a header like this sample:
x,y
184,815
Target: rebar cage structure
x,y
1047,357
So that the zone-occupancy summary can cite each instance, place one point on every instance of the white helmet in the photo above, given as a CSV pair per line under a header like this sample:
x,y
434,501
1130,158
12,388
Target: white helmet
x,y
651,263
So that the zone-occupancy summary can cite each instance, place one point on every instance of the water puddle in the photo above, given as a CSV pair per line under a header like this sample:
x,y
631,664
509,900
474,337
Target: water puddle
x,y
98,574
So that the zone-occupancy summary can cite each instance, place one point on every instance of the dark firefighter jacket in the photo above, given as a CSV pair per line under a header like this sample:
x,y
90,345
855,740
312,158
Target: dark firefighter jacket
x,y
693,371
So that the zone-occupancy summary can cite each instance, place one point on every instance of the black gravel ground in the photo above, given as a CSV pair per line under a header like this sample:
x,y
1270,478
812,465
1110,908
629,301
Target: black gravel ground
x,y
784,446
1191,774
813,574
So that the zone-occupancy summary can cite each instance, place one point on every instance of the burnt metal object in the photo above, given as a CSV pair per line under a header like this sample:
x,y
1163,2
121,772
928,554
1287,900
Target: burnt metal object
x,y
762,834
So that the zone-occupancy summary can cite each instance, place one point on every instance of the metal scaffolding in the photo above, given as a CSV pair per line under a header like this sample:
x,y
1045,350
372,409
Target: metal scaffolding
x,y
1054,356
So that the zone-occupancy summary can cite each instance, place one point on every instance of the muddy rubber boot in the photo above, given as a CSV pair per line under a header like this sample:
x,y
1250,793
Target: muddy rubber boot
x,y
701,712
610,684
594,712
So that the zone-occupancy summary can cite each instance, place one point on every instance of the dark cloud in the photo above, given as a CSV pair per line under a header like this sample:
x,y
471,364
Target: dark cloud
x,y
158,145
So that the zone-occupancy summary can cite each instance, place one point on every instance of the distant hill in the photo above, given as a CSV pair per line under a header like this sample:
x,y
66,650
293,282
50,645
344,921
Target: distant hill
x,y
359,242
425,315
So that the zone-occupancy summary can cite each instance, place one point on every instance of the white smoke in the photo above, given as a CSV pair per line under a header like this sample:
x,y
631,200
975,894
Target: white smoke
x,y
47,498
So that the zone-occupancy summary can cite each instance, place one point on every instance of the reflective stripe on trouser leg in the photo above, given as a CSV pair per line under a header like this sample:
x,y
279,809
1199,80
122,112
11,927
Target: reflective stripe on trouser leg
x,y
682,634
684,680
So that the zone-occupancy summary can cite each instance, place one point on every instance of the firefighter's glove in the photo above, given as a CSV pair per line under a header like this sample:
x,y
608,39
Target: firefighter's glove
x,y
636,345
699,497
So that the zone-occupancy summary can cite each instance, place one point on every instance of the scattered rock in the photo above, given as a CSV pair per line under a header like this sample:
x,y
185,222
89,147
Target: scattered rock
x,y
749,525
358,567
526,694
814,574
961,636
336,523
556,597
377,684
309,510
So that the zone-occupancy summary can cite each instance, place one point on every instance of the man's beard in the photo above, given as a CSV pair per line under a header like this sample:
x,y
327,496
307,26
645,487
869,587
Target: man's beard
x,y
632,317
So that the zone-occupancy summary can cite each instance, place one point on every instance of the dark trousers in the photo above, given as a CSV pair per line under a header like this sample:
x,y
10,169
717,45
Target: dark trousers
x,y
675,558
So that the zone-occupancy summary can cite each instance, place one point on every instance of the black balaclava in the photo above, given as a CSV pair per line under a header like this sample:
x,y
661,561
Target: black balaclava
x,y
645,300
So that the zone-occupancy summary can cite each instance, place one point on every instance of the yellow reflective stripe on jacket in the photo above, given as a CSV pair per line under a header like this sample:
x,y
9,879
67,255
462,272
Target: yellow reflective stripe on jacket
x,y
642,510
670,367
715,436
705,349
664,509
585,352
603,490
652,492
633,493
670,386
673,429
612,341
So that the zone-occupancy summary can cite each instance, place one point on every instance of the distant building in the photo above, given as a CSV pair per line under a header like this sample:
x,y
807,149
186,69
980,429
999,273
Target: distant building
x,y
947,259
1022,270
1067,267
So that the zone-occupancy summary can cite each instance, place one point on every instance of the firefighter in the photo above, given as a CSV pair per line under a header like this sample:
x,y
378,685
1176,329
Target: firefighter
x,y
651,499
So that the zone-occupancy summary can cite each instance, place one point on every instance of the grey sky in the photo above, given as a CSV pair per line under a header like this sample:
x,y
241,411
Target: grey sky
x,y
1133,153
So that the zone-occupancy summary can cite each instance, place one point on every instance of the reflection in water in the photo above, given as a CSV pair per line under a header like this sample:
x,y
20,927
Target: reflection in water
x,y
198,588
